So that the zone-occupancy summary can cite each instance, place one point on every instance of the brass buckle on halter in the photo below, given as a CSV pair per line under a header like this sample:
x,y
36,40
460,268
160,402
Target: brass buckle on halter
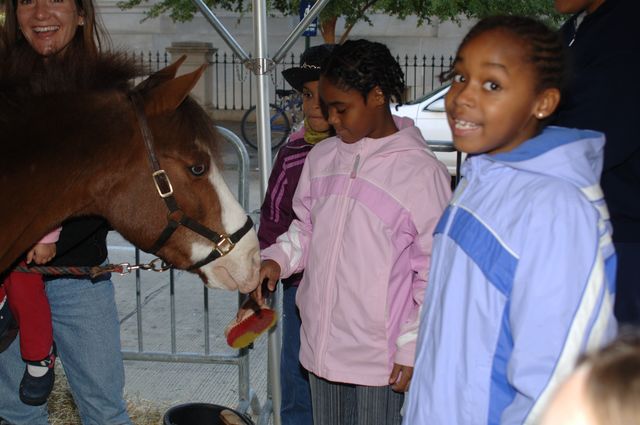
x,y
224,246
163,184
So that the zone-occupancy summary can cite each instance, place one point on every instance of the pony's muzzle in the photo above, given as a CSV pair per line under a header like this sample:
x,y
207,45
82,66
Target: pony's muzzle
x,y
238,270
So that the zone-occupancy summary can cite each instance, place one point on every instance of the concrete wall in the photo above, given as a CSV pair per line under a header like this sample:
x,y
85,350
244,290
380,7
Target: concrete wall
x,y
403,37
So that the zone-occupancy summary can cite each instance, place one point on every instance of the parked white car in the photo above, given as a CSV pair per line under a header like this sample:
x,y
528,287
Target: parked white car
x,y
429,115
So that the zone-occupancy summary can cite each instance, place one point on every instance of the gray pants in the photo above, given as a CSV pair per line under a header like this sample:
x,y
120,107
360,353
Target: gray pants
x,y
348,404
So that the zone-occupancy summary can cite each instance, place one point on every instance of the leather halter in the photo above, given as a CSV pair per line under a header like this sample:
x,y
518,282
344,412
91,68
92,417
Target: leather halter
x,y
176,217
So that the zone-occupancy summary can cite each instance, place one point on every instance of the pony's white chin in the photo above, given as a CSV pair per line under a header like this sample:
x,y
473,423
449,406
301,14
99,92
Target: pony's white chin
x,y
220,277
236,271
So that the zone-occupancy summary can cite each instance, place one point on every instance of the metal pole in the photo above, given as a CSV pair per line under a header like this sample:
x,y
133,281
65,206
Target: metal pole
x,y
262,68
264,161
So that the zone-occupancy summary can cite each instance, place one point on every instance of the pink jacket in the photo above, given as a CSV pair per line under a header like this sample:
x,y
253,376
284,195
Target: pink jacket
x,y
366,212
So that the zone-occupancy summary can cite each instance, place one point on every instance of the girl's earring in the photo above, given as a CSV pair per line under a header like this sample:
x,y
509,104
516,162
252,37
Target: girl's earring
x,y
81,22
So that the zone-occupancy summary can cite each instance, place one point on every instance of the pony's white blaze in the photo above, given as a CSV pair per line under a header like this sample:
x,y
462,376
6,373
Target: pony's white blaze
x,y
238,270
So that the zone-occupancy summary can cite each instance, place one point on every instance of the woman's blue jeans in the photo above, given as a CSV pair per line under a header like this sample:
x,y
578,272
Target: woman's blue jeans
x,y
296,394
86,331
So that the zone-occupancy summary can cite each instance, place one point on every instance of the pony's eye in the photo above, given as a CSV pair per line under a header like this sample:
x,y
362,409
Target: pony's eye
x,y
198,169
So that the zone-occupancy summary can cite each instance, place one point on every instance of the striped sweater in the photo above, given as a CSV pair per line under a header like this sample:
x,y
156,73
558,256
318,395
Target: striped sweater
x,y
276,212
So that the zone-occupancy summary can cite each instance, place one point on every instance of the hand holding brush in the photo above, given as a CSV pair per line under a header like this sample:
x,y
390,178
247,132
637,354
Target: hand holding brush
x,y
254,316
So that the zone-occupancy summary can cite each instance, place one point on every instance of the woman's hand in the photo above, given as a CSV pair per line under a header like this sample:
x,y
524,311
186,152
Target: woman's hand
x,y
41,253
400,377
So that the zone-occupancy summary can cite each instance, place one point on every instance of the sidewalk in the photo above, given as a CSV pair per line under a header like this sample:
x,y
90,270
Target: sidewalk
x,y
175,383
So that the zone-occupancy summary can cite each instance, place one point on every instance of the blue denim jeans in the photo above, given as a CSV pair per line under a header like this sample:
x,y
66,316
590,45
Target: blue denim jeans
x,y
86,331
296,394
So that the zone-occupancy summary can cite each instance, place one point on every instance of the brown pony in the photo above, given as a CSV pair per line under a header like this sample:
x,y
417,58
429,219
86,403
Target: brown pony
x,y
68,153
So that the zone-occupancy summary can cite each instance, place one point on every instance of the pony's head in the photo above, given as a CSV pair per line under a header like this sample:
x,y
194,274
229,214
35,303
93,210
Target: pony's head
x,y
187,215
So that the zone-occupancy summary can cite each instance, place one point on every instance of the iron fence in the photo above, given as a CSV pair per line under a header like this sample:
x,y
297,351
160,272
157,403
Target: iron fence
x,y
234,86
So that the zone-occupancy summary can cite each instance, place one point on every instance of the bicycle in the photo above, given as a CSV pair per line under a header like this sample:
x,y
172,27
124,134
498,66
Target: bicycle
x,y
283,116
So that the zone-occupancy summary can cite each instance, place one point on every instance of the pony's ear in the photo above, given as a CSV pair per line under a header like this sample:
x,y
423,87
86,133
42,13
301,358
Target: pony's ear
x,y
169,95
165,74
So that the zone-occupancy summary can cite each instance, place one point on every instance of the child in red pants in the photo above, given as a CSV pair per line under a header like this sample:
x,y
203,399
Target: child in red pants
x,y
25,295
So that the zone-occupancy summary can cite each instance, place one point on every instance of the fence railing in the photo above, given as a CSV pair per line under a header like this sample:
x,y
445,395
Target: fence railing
x,y
234,86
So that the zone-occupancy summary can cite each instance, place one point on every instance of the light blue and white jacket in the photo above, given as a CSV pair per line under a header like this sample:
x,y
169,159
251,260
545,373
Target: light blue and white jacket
x,y
522,282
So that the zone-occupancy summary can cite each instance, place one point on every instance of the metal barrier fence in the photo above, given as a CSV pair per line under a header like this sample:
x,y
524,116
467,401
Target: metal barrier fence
x,y
234,88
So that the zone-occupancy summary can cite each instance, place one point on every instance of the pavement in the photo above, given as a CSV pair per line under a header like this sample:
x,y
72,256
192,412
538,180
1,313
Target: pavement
x,y
170,383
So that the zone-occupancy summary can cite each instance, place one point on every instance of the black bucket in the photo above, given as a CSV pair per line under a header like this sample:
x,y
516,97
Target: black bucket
x,y
199,414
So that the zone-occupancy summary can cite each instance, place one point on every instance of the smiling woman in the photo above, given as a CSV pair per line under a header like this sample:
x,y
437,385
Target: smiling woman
x,y
53,26
49,26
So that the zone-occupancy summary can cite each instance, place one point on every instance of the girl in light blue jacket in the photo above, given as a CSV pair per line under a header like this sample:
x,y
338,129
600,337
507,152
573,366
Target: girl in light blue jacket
x,y
522,277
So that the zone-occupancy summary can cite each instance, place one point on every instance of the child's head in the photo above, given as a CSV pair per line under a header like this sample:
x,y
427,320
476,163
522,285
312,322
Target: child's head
x,y
357,83
603,390
506,82
304,79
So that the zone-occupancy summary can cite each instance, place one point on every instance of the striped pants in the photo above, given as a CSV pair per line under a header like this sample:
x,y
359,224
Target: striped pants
x,y
347,404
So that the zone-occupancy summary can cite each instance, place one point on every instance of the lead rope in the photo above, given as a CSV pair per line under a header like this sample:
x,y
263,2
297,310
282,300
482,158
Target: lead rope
x,y
156,265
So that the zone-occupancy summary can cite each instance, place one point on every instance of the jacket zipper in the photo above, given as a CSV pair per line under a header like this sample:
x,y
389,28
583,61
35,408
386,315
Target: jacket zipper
x,y
332,265
354,170
576,24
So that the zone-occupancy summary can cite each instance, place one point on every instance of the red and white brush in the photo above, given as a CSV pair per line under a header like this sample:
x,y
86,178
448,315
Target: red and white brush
x,y
253,321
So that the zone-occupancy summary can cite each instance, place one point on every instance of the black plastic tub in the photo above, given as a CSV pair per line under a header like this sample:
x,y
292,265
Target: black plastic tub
x,y
199,414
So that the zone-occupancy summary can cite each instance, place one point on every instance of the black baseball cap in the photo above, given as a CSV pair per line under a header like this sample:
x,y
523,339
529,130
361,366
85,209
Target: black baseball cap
x,y
310,64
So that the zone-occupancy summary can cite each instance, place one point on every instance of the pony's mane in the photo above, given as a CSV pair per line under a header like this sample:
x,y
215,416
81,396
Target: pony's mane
x,y
25,74
66,83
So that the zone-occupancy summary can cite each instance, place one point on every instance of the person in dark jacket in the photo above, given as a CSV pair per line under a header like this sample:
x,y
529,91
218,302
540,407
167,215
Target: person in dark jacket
x,y
602,38
276,215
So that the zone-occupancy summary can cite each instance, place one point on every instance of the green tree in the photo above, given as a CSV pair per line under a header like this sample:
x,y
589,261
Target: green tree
x,y
354,11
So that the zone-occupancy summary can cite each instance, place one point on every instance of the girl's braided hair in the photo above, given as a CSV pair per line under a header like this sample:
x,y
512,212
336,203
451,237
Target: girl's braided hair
x,y
545,50
362,65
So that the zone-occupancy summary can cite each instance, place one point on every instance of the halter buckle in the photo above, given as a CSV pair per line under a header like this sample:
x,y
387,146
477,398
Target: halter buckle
x,y
224,246
163,184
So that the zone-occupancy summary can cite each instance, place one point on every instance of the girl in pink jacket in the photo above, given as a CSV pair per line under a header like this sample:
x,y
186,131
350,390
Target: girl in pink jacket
x,y
367,203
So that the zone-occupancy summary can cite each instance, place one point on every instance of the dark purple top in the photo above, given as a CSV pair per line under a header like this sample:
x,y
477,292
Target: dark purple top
x,y
276,213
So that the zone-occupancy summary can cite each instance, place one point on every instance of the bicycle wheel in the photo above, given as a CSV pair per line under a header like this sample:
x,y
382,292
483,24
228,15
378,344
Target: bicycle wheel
x,y
279,122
